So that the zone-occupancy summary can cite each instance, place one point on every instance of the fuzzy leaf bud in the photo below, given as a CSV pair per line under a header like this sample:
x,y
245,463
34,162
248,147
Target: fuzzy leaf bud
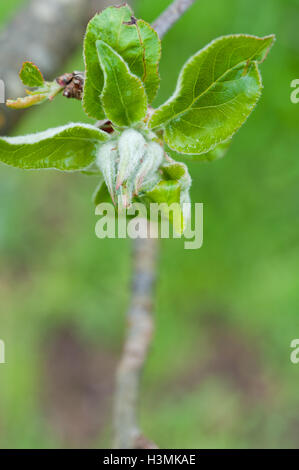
x,y
107,160
131,147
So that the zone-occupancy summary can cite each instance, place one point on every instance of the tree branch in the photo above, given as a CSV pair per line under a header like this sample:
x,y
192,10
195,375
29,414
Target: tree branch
x,y
139,317
171,15
45,32
139,335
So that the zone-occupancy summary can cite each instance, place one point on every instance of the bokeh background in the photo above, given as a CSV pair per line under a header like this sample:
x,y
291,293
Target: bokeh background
x,y
219,373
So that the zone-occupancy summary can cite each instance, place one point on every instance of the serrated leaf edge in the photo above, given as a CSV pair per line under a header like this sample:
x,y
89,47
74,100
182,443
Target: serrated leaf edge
x,y
181,74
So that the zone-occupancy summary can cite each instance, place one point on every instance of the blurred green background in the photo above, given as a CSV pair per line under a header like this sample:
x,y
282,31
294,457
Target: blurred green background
x,y
219,373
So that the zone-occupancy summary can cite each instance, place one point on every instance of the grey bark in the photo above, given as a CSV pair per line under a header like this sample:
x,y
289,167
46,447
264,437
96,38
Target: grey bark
x,y
140,325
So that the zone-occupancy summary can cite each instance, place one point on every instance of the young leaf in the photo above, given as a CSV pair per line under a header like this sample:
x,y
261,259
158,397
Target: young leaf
x,y
166,193
179,172
123,96
101,194
67,148
134,40
31,75
47,91
217,90
173,188
26,101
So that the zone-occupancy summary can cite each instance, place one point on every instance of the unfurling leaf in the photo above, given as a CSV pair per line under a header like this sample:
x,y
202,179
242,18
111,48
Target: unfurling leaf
x,y
47,91
67,148
101,193
173,187
134,40
217,90
167,193
31,75
123,96
177,171
26,101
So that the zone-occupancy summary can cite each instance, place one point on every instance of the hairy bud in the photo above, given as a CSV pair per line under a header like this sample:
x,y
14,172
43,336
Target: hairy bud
x,y
152,160
107,162
149,182
130,165
131,147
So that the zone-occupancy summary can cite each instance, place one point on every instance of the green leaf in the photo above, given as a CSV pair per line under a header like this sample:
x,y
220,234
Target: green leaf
x,y
174,188
218,152
101,194
217,90
166,193
31,75
123,96
176,171
134,40
146,67
67,148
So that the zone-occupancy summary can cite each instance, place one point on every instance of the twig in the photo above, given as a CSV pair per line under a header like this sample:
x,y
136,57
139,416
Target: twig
x,y
139,335
171,15
139,316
